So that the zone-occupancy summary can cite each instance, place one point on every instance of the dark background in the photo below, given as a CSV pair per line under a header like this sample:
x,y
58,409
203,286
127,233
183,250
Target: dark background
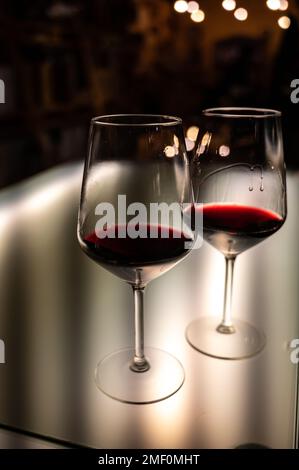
x,y
65,61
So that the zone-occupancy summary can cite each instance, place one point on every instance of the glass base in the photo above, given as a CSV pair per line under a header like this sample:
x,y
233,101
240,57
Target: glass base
x,y
244,342
114,377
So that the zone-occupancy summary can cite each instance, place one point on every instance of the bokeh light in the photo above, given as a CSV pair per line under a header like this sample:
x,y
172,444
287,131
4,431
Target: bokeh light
x,y
192,133
206,139
273,4
192,6
189,144
181,6
284,22
224,150
241,14
229,5
284,5
169,151
197,16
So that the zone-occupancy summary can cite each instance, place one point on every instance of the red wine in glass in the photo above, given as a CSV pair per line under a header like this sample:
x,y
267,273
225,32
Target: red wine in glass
x,y
242,197
128,158
123,256
233,228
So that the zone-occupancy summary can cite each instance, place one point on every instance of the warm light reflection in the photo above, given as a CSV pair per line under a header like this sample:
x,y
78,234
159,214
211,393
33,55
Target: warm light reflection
x,y
189,144
206,139
34,198
241,14
201,149
198,16
6,215
162,421
176,141
229,5
224,150
38,201
192,6
181,6
284,22
273,4
284,5
192,133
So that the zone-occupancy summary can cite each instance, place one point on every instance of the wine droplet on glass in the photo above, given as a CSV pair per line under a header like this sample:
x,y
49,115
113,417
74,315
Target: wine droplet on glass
x,y
251,178
262,180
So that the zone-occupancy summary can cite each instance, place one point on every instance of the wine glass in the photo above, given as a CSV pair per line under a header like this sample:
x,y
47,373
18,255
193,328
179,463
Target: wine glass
x,y
238,175
135,171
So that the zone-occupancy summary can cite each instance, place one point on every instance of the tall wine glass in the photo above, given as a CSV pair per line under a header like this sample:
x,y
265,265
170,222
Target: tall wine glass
x,y
239,176
135,170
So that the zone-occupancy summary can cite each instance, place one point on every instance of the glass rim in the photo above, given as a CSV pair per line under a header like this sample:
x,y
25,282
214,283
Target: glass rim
x,y
242,112
153,120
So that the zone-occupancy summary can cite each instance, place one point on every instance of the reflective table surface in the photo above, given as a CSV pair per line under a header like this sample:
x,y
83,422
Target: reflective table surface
x,y
61,313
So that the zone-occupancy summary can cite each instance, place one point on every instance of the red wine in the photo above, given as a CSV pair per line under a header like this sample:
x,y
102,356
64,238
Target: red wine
x,y
139,259
233,228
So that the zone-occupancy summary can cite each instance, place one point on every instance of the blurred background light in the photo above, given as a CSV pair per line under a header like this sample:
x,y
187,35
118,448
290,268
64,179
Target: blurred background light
x,y
192,6
169,151
273,4
224,150
229,62
176,141
181,6
229,5
190,144
197,16
192,133
206,139
241,14
284,22
284,5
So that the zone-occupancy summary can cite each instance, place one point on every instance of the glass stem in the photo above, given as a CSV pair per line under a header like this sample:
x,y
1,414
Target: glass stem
x,y
226,325
139,362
